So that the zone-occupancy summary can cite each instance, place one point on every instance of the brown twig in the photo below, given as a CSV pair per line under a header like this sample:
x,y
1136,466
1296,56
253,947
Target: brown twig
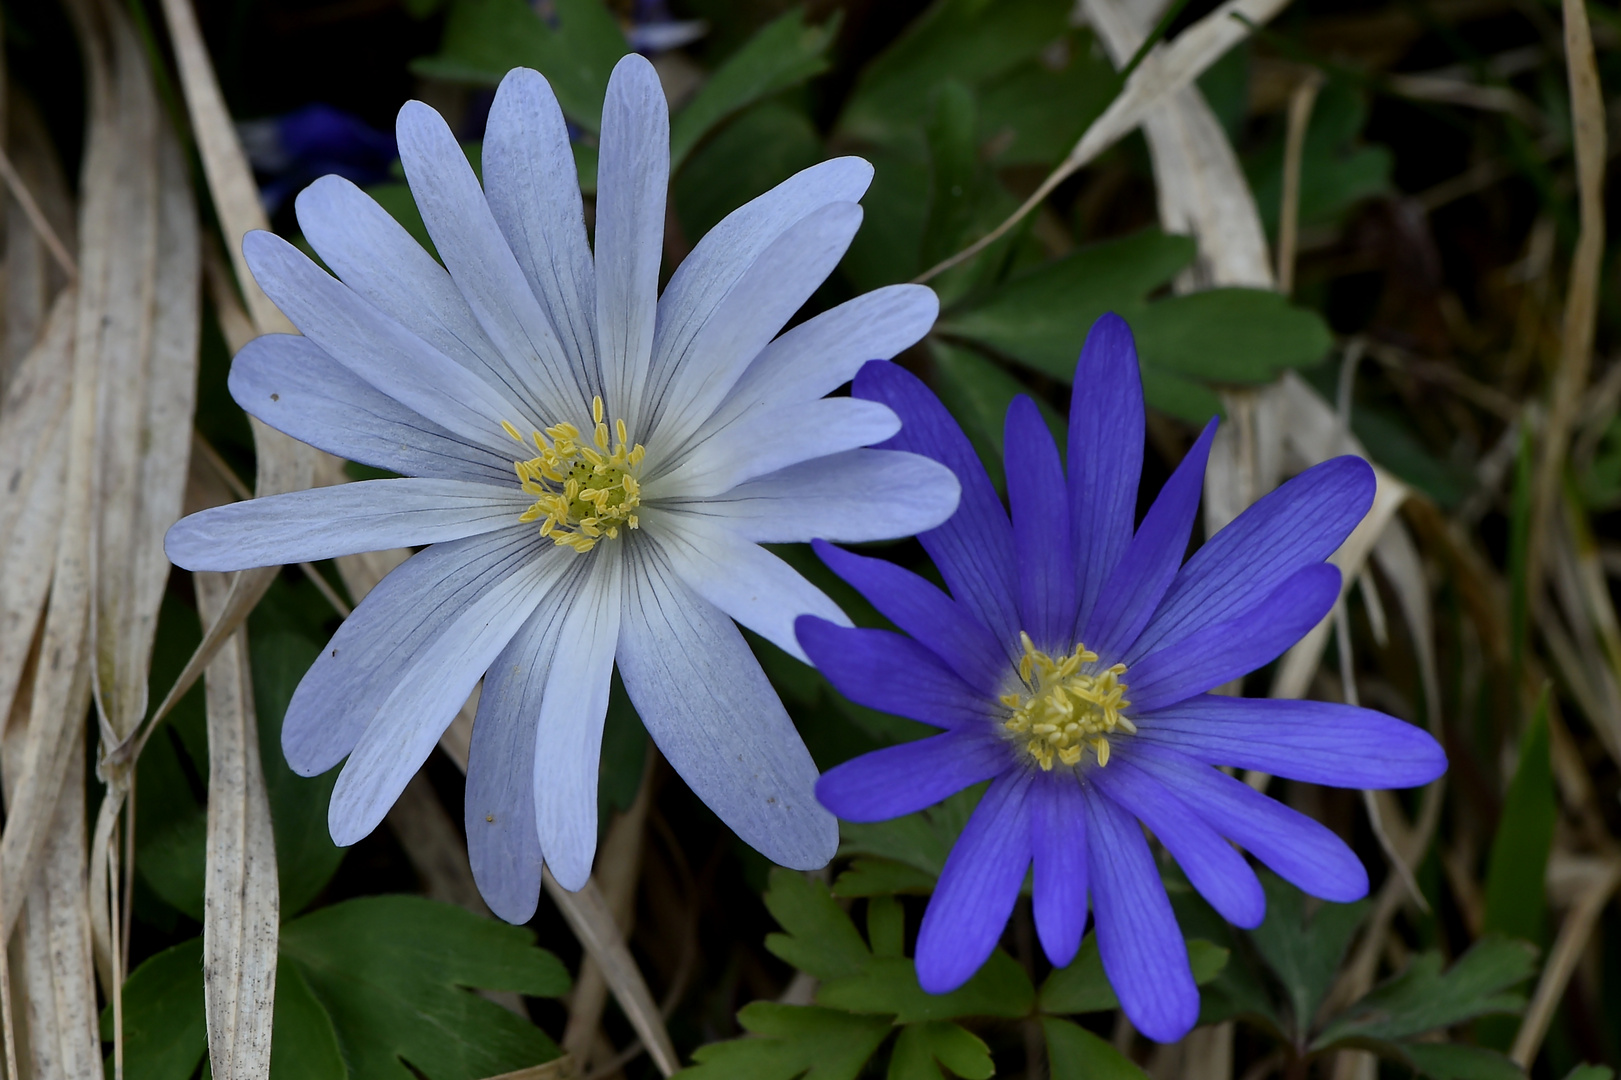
x,y
1294,146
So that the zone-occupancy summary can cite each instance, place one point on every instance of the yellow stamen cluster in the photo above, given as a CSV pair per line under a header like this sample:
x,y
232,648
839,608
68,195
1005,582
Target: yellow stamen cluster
x,y
583,491
1064,708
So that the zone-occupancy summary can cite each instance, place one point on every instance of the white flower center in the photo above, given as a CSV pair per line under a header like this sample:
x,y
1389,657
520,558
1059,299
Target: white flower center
x,y
1063,708
583,492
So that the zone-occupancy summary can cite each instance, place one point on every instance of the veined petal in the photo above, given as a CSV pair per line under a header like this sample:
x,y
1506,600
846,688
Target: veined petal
x,y
428,599
568,743
1058,840
323,523
1141,946
765,440
499,808
1227,650
484,269
973,550
290,383
710,710
1315,741
1040,510
1219,873
744,322
738,576
932,618
534,193
894,674
1298,524
633,176
1302,851
378,349
469,627
853,497
1105,455
911,776
978,887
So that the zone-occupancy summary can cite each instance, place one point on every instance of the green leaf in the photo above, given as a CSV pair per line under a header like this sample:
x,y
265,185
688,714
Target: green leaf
x,y
393,972
762,147
1452,1061
921,840
484,39
783,53
1335,172
1073,1053
978,393
882,877
1244,336
1422,999
1516,904
303,1042
1304,950
819,937
888,247
1034,113
889,985
1591,1072
1082,986
1391,443
792,1041
886,926
164,1033
921,1045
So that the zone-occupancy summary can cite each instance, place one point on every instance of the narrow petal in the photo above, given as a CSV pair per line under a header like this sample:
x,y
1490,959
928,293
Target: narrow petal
x,y
1105,454
290,383
534,194
1141,946
1058,839
1299,524
378,349
1040,509
1302,851
1314,741
503,844
1213,867
740,577
974,549
765,440
323,523
1228,650
1152,559
936,621
851,498
757,307
893,674
716,719
727,251
484,269
568,743
633,176
428,600
469,627
978,886
909,777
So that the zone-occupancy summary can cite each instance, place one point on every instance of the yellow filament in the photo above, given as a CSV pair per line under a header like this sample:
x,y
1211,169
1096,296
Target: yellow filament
x,y
583,492
1062,709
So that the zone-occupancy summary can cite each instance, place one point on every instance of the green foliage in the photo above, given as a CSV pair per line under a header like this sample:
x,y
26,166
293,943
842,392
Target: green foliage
x,y
164,1034
1073,1053
1082,986
1336,170
978,393
1304,948
919,842
1515,895
760,148
919,1046
791,1041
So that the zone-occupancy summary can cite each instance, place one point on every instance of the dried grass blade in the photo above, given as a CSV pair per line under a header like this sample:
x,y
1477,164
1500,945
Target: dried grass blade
x,y
32,279
1567,950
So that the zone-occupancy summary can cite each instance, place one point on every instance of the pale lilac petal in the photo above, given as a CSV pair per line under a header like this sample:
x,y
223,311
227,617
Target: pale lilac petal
x,y
909,777
1105,455
978,886
1141,946
710,710
1058,837
290,383
323,523
1041,523
894,674
1315,741
568,742
853,497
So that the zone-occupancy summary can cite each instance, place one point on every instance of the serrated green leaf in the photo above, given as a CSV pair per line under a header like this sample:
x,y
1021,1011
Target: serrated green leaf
x,y
1516,904
889,985
393,971
886,926
882,877
1073,1053
1304,951
1335,172
1452,1061
1244,336
164,1033
784,53
1082,986
793,1041
303,1042
921,1045
819,937
1422,999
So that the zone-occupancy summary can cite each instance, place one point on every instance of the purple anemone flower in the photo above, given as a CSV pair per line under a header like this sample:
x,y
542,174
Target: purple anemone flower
x,y
1071,667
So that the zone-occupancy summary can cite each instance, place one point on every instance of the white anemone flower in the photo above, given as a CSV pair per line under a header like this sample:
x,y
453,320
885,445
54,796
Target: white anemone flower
x,y
591,467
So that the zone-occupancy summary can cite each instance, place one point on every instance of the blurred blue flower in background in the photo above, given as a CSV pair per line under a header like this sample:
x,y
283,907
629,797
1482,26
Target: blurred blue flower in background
x,y
290,151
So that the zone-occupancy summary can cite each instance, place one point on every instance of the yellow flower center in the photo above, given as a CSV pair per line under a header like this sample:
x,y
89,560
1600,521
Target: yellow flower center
x,y
583,492
1063,708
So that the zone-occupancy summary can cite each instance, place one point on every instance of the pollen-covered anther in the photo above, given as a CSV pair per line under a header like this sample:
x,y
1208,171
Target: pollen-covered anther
x,y
584,491
1065,705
